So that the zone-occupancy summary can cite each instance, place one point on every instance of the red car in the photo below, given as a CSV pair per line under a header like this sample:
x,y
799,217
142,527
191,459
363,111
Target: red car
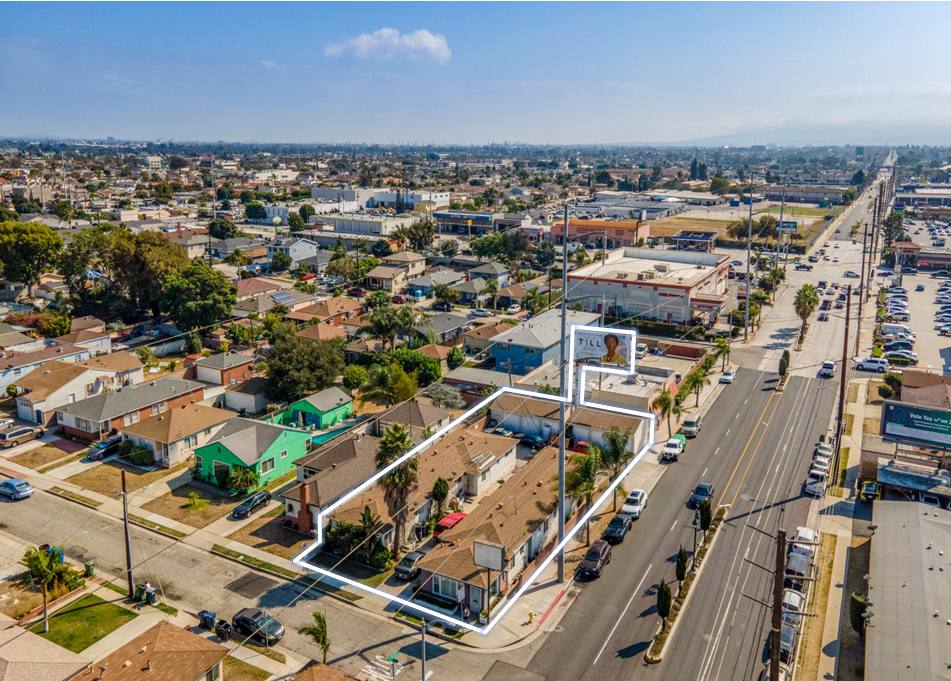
x,y
399,300
580,446
446,523
306,277
358,292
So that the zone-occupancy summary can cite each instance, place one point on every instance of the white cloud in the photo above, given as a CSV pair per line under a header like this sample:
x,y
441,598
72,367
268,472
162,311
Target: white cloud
x,y
272,65
388,43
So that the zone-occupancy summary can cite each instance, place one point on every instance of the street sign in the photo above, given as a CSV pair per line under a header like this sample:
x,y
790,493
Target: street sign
x,y
788,226
915,424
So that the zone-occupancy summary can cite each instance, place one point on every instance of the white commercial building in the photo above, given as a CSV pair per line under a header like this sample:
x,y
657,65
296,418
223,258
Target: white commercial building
x,y
676,287
361,223
275,175
387,199
363,196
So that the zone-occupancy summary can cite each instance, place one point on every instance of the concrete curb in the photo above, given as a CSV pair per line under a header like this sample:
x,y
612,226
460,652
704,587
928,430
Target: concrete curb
x,y
75,501
648,658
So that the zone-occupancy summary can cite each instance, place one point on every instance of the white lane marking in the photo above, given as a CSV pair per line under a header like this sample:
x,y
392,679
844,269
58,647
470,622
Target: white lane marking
x,y
672,526
728,430
716,452
704,472
623,612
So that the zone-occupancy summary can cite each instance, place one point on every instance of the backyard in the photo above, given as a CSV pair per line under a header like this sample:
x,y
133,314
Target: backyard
x,y
83,622
177,506
107,477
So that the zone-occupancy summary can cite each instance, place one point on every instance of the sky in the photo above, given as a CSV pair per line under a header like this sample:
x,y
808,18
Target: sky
x,y
473,73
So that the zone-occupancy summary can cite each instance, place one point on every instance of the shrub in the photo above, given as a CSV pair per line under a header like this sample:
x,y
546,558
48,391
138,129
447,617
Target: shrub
x,y
354,376
172,365
141,456
380,558
193,343
125,448
885,391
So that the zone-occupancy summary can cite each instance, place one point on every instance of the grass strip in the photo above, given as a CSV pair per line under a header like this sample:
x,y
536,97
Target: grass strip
x,y
267,652
251,560
76,497
115,587
849,420
237,670
62,463
330,588
155,526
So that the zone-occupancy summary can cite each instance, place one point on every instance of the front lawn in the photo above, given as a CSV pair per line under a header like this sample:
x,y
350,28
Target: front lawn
x,y
175,505
40,457
236,670
83,622
107,478
268,535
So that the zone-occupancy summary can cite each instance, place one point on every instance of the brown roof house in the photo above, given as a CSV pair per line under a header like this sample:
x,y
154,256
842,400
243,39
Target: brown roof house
x,y
386,277
173,435
321,332
519,515
330,311
414,263
413,415
25,656
314,671
325,475
471,461
225,368
248,396
478,338
163,653
438,352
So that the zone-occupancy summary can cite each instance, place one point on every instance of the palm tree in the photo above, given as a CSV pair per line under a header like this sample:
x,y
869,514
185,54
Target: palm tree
x,y
380,384
399,482
806,302
761,299
723,349
492,288
242,478
532,300
615,454
236,258
387,322
368,523
667,407
42,569
581,480
318,633
400,235
699,381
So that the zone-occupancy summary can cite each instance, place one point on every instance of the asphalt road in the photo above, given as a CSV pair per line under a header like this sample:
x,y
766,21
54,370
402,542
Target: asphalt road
x,y
754,447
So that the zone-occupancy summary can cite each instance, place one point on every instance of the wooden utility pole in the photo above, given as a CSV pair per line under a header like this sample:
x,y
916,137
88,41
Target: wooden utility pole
x,y
128,544
858,322
840,421
774,641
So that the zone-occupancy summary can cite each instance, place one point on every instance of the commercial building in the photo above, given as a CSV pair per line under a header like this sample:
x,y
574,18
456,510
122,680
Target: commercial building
x,y
603,233
365,223
805,193
387,199
689,197
920,196
677,287
478,223
632,209
153,162
362,196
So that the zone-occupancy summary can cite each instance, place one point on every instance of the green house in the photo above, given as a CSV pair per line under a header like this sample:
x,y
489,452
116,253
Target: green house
x,y
322,410
268,450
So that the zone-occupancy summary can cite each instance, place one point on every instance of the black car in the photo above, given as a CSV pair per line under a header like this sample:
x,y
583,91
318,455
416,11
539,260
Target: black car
x,y
702,492
598,555
409,566
249,505
443,306
107,447
255,623
619,526
533,441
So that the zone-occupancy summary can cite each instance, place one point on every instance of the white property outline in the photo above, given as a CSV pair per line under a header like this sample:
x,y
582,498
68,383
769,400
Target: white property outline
x,y
650,416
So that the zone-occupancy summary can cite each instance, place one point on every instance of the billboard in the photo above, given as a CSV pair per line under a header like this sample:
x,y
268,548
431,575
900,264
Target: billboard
x,y
488,555
787,226
603,347
916,424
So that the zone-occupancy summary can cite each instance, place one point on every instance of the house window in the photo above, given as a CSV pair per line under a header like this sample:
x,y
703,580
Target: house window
x,y
159,408
72,398
197,462
307,444
504,346
214,673
445,586
267,466
529,351
83,424
130,418
309,472
191,441
17,372
284,454
290,507
90,388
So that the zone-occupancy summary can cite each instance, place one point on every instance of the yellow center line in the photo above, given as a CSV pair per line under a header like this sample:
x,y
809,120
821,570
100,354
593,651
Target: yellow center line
x,y
758,421
753,455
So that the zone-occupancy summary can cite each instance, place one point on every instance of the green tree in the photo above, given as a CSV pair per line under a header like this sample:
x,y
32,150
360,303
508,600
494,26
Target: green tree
x,y
58,326
27,250
445,396
380,384
142,264
446,294
237,258
421,235
399,482
280,262
381,248
805,303
354,376
533,301
491,288
545,255
404,384
254,211
663,603
681,570
455,358
296,222
297,367
706,515
198,297
386,323
345,268
440,494
242,479
615,453
318,634
719,185
220,228
377,299
306,212
885,391
42,568
581,481
400,235
368,522
665,405
449,248
723,351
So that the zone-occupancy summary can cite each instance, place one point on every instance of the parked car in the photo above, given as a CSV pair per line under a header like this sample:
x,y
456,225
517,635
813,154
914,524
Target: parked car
x,y
15,488
619,526
399,300
357,291
6,423
580,446
635,503
702,492
692,425
408,568
443,306
533,441
871,491
898,345
20,434
255,623
504,432
449,521
674,448
898,358
823,449
804,542
513,309
595,559
900,316
728,376
640,350
828,369
872,364
815,483
105,448
822,463
251,504
481,312
849,274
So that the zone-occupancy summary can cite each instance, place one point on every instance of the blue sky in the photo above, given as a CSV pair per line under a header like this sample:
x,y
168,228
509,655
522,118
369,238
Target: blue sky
x,y
473,72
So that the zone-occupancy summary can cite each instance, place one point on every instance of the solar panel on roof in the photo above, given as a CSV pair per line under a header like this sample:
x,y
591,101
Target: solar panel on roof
x,y
283,298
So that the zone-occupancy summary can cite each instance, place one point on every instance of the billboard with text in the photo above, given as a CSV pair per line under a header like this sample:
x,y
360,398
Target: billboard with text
x,y
603,347
916,424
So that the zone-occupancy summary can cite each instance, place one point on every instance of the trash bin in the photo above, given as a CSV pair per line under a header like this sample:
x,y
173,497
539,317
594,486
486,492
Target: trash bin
x,y
150,597
223,630
139,592
206,619
90,568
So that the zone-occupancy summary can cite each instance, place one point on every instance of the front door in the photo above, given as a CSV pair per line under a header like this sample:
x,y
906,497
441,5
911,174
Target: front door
x,y
475,600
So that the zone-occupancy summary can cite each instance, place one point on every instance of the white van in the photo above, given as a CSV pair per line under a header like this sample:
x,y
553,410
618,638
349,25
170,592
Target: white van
x,y
890,329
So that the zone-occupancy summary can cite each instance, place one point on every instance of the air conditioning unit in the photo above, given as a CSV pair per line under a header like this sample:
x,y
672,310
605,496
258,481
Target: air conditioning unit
x,y
622,275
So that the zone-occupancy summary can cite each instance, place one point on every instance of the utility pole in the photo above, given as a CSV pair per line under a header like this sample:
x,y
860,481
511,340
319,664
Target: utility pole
x,y
774,640
840,421
858,321
562,406
782,208
128,544
749,246
423,658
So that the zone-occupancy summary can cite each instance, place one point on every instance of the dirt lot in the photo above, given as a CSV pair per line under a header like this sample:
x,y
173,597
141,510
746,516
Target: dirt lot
x,y
107,478
16,597
40,457
872,426
174,505
268,535
812,645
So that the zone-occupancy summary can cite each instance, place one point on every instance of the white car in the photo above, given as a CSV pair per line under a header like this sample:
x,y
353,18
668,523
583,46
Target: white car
x,y
815,484
6,423
481,313
823,449
943,299
822,463
835,259
728,376
514,309
635,502
943,318
900,316
828,369
897,289
673,449
804,542
872,364
836,245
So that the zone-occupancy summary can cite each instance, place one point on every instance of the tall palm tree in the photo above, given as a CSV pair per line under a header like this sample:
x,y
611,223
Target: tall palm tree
x,y
723,349
42,569
761,299
318,633
401,236
581,481
532,300
805,303
667,407
697,384
387,322
400,482
236,258
380,384
615,454
492,288
368,523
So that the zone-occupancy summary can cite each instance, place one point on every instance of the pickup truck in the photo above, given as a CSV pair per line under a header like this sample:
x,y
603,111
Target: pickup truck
x,y
804,267
674,447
